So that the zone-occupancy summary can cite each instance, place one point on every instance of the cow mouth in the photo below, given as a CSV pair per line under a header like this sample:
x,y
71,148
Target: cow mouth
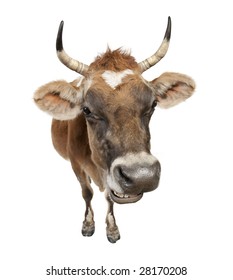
x,y
124,198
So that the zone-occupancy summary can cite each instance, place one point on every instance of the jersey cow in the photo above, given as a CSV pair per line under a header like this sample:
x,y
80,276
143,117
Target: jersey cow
x,y
101,124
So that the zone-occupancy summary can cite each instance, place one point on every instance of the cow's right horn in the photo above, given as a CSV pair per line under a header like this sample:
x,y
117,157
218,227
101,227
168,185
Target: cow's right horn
x,y
71,63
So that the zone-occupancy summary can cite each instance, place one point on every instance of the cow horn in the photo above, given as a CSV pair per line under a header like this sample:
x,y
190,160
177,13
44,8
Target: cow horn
x,y
71,63
155,58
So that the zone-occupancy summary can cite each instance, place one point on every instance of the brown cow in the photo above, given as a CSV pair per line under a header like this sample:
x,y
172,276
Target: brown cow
x,y
101,124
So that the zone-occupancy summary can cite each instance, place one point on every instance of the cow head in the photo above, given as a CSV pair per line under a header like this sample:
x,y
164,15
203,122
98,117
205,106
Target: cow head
x,y
117,103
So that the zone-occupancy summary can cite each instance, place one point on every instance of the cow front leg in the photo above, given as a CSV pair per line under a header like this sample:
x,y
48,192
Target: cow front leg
x,y
88,227
112,230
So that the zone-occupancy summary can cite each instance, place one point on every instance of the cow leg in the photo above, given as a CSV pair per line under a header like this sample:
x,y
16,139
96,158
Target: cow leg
x,y
88,224
112,230
88,227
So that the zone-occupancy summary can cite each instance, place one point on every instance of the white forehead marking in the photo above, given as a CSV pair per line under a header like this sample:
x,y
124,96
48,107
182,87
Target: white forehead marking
x,y
114,79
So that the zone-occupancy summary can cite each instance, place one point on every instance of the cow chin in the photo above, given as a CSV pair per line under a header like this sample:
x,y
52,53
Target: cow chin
x,y
117,194
121,198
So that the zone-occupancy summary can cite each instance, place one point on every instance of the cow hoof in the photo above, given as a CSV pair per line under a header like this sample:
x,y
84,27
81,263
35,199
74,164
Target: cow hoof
x,y
88,229
113,235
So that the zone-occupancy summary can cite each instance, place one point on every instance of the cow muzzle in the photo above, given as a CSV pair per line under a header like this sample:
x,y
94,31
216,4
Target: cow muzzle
x,y
132,175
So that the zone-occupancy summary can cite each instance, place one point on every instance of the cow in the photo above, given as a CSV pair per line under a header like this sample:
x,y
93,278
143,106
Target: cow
x,y
101,123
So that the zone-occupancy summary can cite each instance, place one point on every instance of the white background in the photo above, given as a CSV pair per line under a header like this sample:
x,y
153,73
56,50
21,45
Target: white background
x,y
187,221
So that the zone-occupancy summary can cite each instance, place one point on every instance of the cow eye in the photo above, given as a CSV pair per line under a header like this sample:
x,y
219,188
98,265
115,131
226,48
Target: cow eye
x,y
154,104
149,113
86,111
89,115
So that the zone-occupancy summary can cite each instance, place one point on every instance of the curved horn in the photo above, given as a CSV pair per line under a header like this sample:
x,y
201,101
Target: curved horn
x,y
71,63
155,58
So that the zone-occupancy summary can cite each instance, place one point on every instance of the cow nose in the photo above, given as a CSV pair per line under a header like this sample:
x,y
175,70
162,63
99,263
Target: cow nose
x,y
138,177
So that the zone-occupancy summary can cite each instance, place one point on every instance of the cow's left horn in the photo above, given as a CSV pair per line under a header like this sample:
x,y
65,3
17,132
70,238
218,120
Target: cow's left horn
x,y
155,58
71,63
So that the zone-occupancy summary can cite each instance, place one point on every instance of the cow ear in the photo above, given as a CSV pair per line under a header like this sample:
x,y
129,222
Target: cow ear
x,y
172,88
60,99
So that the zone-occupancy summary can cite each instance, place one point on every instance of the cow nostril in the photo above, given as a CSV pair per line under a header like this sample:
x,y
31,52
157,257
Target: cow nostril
x,y
122,176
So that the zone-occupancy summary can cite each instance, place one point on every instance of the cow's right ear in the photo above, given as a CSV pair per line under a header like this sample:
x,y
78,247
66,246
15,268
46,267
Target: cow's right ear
x,y
60,99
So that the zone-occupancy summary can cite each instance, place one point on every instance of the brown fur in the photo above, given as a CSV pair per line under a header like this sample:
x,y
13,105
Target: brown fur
x,y
116,60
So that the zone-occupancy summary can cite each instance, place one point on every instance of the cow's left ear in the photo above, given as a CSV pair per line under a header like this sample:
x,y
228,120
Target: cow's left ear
x,y
172,88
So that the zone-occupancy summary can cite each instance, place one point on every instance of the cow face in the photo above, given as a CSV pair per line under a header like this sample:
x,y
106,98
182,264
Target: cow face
x,y
118,107
117,103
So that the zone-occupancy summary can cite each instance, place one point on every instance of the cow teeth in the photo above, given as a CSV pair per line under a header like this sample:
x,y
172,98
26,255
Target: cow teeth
x,y
121,195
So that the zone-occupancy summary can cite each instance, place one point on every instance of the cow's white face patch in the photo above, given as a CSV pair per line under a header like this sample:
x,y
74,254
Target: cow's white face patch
x,y
114,79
